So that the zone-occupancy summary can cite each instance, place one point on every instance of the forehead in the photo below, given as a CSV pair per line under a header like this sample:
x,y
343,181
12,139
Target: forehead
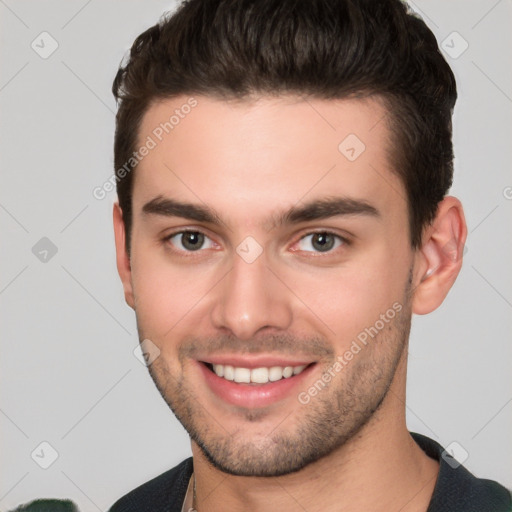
x,y
258,154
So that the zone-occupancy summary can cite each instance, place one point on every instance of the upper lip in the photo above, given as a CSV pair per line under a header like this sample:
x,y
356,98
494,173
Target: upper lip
x,y
262,361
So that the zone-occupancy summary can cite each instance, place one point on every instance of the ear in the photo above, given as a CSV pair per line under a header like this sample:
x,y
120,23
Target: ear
x,y
439,259
122,257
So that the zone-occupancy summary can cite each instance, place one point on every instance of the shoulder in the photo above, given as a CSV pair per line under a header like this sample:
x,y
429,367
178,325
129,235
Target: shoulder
x,y
165,492
458,490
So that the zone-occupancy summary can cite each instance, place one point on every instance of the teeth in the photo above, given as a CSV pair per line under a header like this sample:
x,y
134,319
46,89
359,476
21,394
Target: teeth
x,y
298,369
256,375
287,371
275,373
229,372
259,375
242,375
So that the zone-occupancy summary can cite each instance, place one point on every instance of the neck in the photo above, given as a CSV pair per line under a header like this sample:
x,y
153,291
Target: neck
x,y
381,468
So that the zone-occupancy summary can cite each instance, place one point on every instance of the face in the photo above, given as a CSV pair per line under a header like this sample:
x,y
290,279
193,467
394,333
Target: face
x,y
270,271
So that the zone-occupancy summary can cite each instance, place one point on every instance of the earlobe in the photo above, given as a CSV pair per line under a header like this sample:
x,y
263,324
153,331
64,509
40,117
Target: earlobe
x,y
439,260
122,258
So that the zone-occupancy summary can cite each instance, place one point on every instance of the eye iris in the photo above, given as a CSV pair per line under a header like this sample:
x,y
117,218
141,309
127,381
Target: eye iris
x,y
323,241
192,240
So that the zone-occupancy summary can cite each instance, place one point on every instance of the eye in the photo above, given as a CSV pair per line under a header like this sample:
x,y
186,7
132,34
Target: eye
x,y
189,241
320,242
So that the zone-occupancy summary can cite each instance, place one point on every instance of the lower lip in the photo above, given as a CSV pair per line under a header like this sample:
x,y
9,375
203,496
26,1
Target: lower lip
x,y
253,395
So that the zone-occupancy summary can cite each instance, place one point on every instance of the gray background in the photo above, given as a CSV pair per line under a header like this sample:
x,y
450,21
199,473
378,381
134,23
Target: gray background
x,y
69,375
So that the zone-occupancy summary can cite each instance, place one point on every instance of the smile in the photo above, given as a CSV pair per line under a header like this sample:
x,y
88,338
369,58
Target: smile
x,y
256,383
261,375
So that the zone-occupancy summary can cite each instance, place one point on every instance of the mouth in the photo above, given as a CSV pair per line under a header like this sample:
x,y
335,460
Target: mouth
x,y
255,376
255,384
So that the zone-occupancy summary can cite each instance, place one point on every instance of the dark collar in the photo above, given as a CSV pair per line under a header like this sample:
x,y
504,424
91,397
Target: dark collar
x,y
456,489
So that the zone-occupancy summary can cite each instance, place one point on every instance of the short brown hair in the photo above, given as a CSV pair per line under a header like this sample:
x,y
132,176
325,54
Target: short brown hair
x,y
328,49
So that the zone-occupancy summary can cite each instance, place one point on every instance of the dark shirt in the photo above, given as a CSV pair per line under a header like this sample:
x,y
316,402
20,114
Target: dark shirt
x,y
456,489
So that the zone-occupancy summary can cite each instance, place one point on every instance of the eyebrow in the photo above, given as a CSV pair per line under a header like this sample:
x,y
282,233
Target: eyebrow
x,y
172,208
325,208
314,210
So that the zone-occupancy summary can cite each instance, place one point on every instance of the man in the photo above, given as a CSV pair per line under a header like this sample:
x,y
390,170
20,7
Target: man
x,y
282,170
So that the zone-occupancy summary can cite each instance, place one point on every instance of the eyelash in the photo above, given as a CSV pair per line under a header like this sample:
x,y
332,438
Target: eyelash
x,y
345,242
189,254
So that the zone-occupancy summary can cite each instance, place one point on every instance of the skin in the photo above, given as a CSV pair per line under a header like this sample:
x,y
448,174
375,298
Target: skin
x,y
250,161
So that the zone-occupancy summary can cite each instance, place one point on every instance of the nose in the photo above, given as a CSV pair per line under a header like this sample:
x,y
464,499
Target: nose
x,y
251,299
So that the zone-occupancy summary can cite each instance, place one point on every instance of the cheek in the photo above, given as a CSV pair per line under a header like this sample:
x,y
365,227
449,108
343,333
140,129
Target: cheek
x,y
348,299
165,295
